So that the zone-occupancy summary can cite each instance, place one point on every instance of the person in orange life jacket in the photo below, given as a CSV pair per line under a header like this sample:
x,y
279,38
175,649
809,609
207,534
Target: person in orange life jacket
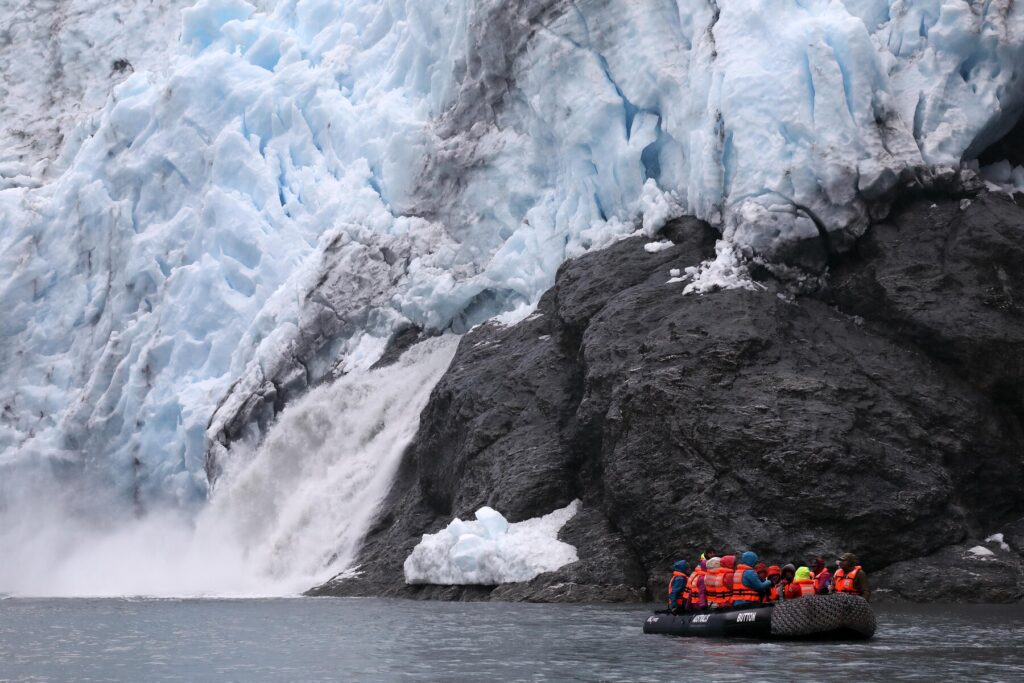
x,y
716,589
851,578
821,575
697,588
762,570
678,595
747,587
728,570
802,586
788,571
774,575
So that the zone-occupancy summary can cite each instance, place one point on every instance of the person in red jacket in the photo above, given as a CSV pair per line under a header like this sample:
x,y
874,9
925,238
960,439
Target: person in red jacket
x,y
821,575
774,575
802,586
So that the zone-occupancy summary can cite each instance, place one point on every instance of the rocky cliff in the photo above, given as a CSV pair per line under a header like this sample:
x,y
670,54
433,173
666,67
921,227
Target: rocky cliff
x,y
876,407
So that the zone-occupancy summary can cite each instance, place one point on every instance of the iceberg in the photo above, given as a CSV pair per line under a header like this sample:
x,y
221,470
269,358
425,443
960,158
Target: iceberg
x,y
490,551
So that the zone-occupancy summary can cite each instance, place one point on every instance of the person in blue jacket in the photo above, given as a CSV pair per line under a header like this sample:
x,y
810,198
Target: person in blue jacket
x,y
677,594
748,588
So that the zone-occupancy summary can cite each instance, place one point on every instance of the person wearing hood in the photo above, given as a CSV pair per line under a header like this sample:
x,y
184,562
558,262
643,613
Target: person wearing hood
x,y
774,575
678,595
696,587
729,567
788,572
747,587
716,589
821,575
802,586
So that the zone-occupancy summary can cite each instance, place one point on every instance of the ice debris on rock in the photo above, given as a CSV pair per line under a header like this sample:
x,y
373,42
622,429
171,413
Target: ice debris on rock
x,y
1002,177
655,247
980,552
998,538
727,270
490,551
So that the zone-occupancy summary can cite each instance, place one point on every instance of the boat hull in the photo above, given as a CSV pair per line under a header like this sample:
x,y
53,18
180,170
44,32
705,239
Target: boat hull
x,y
819,617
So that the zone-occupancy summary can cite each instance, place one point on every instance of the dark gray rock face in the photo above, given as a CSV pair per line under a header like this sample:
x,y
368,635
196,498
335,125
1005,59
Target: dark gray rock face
x,y
959,573
880,413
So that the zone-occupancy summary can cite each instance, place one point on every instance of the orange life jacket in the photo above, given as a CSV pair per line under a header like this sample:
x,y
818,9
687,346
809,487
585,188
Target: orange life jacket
x,y
684,595
740,592
844,583
715,587
804,587
773,594
692,591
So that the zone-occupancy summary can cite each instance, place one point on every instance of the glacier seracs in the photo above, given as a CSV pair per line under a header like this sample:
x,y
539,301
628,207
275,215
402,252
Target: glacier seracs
x,y
293,185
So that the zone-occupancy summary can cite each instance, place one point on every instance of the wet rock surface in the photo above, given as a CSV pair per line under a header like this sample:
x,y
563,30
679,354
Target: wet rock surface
x,y
879,413
967,572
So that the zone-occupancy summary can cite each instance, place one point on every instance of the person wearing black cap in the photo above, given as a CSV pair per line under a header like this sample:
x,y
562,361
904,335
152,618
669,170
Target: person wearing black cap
x,y
851,578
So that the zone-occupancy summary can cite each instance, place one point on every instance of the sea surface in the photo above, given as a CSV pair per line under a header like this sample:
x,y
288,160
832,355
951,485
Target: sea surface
x,y
328,639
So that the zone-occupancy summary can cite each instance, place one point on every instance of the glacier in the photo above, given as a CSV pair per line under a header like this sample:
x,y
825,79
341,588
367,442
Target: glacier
x,y
267,201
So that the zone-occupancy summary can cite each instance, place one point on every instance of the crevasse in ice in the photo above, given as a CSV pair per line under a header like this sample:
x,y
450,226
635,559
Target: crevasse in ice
x,y
436,162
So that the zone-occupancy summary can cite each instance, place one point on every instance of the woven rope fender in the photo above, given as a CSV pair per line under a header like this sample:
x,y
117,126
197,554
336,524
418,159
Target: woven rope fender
x,y
821,613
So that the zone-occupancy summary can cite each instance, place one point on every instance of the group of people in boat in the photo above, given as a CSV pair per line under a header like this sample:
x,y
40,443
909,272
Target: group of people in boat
x,y
720,582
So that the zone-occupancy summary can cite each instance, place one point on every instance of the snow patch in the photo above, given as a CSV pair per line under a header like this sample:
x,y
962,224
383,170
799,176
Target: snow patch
x,y
655,247
727,270
998,538
980,552
490,551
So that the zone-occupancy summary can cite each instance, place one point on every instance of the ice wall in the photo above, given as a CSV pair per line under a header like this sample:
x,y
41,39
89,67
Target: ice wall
x,y
294,185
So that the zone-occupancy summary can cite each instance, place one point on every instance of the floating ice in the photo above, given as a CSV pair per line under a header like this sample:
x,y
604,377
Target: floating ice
x,y
491,551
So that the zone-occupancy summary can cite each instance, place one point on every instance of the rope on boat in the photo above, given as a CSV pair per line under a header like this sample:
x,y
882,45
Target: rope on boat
x,y
819,613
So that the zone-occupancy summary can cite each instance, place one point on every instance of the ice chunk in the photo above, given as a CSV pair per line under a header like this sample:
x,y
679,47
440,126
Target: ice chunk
x,y
998,538
494,524
655,247
726,271
467,551
980,552
491,551
658,207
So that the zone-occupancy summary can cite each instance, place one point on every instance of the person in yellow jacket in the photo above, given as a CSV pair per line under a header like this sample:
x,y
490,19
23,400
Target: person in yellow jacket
x,y
802,585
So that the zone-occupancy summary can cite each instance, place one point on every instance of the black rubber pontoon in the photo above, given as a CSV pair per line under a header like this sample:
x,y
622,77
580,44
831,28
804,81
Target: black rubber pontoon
x,y
839,616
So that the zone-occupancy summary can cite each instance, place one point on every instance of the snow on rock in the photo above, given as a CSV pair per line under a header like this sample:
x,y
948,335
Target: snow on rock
x,y
655,247
726,271
980,552
998,538
490,551
1002,177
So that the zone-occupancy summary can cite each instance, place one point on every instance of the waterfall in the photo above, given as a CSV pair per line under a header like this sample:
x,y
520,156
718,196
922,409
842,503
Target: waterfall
x,y
284,516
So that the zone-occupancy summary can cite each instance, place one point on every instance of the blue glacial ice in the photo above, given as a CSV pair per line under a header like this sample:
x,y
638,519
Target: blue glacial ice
x,y
290,185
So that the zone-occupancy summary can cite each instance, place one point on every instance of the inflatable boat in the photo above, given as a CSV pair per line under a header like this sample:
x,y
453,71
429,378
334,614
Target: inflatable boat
x,y
838,616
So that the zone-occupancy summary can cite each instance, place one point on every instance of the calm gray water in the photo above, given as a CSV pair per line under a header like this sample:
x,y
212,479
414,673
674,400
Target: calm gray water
x,y
381,640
